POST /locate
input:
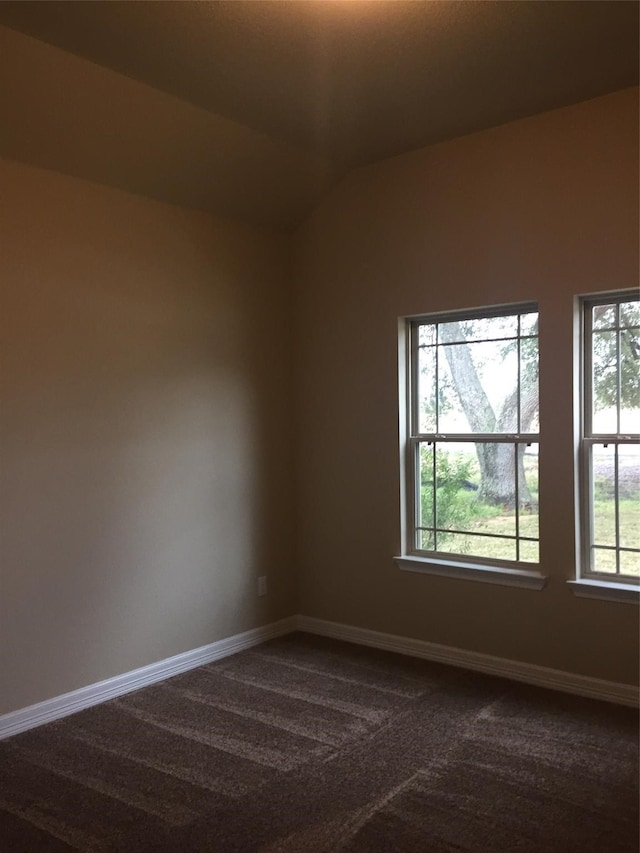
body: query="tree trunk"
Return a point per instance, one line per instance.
(473, 399)
(497, 461)
(497, 472)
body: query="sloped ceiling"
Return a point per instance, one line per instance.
(253, 109)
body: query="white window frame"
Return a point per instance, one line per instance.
(452, 565)
(590, 583)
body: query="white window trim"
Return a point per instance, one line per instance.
(589, 584)
(605, 590)
(472, 572)
(502, 573)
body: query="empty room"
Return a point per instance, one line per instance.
(319, 426)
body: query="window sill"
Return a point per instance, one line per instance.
(472, 572)
(605, 590)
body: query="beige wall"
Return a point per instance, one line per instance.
(541, 209)
(146, 461)
(147, 427)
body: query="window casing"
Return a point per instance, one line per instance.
(609, 441)
(472, 437)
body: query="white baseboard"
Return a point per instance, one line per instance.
(554, 679)
(94, 694)
(85, 697)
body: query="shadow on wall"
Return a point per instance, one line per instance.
(146, 434)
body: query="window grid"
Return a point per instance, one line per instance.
(438, 439)
(616, 439)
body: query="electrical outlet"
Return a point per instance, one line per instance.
(262, 585)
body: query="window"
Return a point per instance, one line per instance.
(471, 439)
(610, 447)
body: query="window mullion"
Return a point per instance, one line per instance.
(480, 437)
(616, 493)
(516, 450)
(435, 499)
(437, 378)
(587, 509)
(519, 378)
(414, 395)
(618, 372)
(587, 388)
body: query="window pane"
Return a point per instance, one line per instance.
(529, 323)
(427, 334)
(457, 486)
(529, 495)
(426, 540)
(451, 414)
(479, 387)
(604, 495)
(477, 546)
(630, 313)
(463, 508)
(629, 495)
(465, 504)
(630, 381)
(529, 385)
(427, 389)
(605, 382)
(498, 462)
(630, 563)
(480, 329)
(425, 498)
(604, 561)
(529, 552)
(613, 389)
(477, 375)
(604, 316)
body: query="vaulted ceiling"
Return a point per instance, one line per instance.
(289, 94)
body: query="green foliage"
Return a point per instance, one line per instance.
(529, 348)
(460, 508)
(605, 376)
(616, 341)
(456, 506)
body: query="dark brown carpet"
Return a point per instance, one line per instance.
(306, 744)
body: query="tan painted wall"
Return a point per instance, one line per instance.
(147, 428)
(146, 461)
(541, 209)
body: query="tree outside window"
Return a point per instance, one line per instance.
(610, 476)
(474, 435)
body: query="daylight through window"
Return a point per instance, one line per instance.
(610, 448)
(472, 465)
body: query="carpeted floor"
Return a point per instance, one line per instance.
(307, 744)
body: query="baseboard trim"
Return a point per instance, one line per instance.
(554, 679)
(94, 694)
